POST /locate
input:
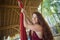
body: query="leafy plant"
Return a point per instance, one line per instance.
(58, 27)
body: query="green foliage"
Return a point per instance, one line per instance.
(49, 8)
(58, 27)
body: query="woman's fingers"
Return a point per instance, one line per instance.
(23, 11)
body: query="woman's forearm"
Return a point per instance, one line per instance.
(26, 19)
(25, 23)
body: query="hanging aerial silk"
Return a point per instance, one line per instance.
(23, 35)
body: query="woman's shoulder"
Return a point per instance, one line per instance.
(38, 25)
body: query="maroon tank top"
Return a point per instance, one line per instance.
(34, 36)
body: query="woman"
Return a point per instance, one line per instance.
(39, 30)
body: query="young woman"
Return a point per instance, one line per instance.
(39, 30)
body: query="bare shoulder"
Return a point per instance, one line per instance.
(35, 27)
(38, 27)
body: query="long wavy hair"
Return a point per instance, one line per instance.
(47, 35)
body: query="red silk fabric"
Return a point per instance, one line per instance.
(23, 34)
(34, 36)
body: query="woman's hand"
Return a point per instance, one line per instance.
(23, 11)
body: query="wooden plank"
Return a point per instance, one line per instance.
(8, 27)
(10, 6)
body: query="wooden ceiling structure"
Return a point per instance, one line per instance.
(9, 15)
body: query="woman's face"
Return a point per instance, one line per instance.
(34, 19)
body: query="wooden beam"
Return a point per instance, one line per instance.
(25, 3)
(10, 6)
(8, 27)
(16, 29)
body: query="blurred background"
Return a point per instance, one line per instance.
(9, 16)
